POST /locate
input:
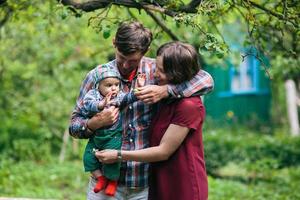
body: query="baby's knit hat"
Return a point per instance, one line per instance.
(106, 71)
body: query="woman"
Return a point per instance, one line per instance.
(178, 168)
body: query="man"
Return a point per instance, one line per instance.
(131, 42)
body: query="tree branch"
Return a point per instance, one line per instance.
(259, 58)
(162, 25)
(86, 6)
(191, 7)
(2, 2)
(217, 29)
(277, 15)
(8, 11)
(92, 5)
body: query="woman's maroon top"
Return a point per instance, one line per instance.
(183, 175)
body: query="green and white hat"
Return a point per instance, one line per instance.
(106, 72)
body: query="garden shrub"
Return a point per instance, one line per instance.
(271, 151)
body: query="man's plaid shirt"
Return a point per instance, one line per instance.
(136, 117)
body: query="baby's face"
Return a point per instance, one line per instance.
(108, 85)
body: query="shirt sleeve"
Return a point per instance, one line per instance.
(91, 101)
(126, 98)
(78, 127)
(189, 113)
(202, 83)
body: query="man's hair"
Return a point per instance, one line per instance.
(180, 61)
(132, 37)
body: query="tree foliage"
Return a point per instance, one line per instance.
(271, 26)
(44, 56)
(47, 47)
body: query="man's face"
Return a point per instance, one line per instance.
(126, 64)
(159, 72)
(108, 85)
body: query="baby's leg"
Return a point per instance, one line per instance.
(101, 180)
(111, 187)
(96, 173)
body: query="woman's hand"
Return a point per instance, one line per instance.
(107, 156)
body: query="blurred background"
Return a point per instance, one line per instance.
(251, 48)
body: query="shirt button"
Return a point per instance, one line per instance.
(130, 107)
(83, 128)
(179, 96)
(130, 125)
(130, 140)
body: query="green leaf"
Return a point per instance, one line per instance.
(106, 33)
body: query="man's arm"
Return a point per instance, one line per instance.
(78, 122)
(201, 84)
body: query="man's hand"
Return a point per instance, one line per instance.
(107, 156)
(107, 117)
(150, 94)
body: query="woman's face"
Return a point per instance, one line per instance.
(159, 72)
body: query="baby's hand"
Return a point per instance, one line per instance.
(106, 101)
(141, 80)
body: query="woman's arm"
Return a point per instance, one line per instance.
(171, 140)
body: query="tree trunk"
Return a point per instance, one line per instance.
(291, 99)
(64, 146)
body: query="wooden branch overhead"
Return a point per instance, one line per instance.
(191, 7)
(92, 5)
(7, 10)
(162, 25)
(2, 2)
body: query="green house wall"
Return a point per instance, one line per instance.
(243, 108)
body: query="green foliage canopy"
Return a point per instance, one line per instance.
(44, 58)
(46, 49)
(272, 27)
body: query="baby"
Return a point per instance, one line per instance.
(106, 93)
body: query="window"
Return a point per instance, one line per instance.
(244, 77)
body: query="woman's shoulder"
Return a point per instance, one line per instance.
(189, 105)
(190, 102)
(188, 112)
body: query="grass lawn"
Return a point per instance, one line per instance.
(67, 180)
(51, 180)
